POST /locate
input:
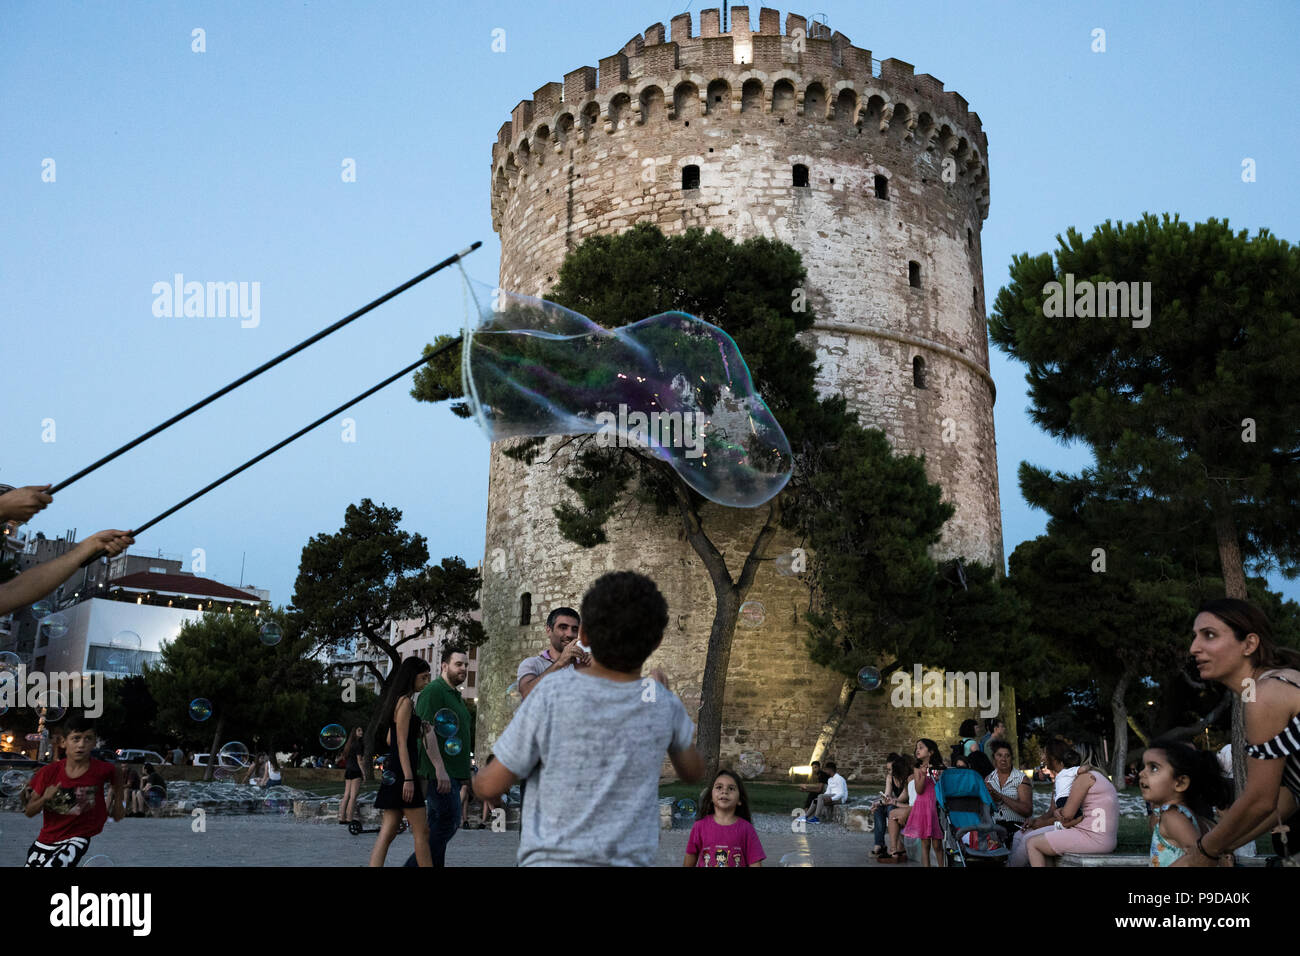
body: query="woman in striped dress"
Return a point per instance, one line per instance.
(1234, 646)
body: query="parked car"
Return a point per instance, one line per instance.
(127, 755)
(227, 761)
(18, 761)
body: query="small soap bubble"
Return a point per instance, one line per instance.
(98, 860)
(869, 678)
(333, 736)
(784, 564)
(9, 663)
(270, 633)
(389, 778)
(797, 858)
(117, 663)
(446, 723)
(56, 625)
(128, 640)
(752, 615)
(154, 796)
(200, 708)
(223, 774)
(451, 746)
(750, 764)
(13, 781)
(42, 609)
(672, 386)
(51, 704)
(513, 697)
(685, 807)
(236, 751)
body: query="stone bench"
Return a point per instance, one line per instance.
(1131, 859)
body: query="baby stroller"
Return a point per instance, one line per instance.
(966, 816)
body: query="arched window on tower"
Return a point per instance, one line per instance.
(800, 174)
(882, 187)
(690, 177)
(918, 372)
(526, 608)
(914, 274)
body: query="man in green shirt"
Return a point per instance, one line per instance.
(445, 750)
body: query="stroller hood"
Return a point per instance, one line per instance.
(961, 782)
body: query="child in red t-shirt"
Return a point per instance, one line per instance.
(724, 835)
(71, 793)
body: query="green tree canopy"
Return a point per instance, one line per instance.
(755, 291)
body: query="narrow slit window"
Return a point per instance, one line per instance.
(800, 174)
(526, 608)
(918, 372)
(882, 187)
(914, 274)
(690, 177)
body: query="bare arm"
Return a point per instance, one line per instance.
(569, 655)
(22, 504)
(1265, 717)
(1078, 790)
(690, 860)
(39, 581)
(1023, 802)
(493, 780)
(35, 803)
(1178, 831)
(688, 763)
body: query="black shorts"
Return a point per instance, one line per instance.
(67, 852)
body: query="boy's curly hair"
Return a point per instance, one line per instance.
(624, 616)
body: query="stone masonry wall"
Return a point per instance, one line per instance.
(607, 148)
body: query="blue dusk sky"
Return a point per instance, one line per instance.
(226, 165)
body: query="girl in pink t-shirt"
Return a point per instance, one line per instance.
(724, 835)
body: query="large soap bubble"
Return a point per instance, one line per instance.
(672, 385)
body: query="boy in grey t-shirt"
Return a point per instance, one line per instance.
(590, 743)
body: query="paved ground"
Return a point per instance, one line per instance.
(265, 840)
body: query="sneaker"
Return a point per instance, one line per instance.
(811, 820)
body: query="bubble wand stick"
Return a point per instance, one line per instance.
(445, 347)
(268, 365)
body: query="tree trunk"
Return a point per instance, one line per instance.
(212, 750)
(714, 685)
(1119, 716)
(1234, 586)
(848, 690)
(1133, 724)
(728, 594)
(1008, 716)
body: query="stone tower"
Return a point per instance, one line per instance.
(879, 178)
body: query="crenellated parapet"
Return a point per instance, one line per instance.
(806, 71)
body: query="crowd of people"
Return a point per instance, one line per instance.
(589, 738)
(1193, 817)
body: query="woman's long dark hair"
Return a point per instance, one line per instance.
(354, 743)
(742, 806)
(402, 685)
(900, 768)
(1244, 619)
(936, 758)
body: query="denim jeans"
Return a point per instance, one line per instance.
(880, 816)
(443, 812)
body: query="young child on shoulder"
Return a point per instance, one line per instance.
(724, 834)
(1183, 785)
(70, 792)
(591, 742)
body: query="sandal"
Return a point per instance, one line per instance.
(893, 858)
